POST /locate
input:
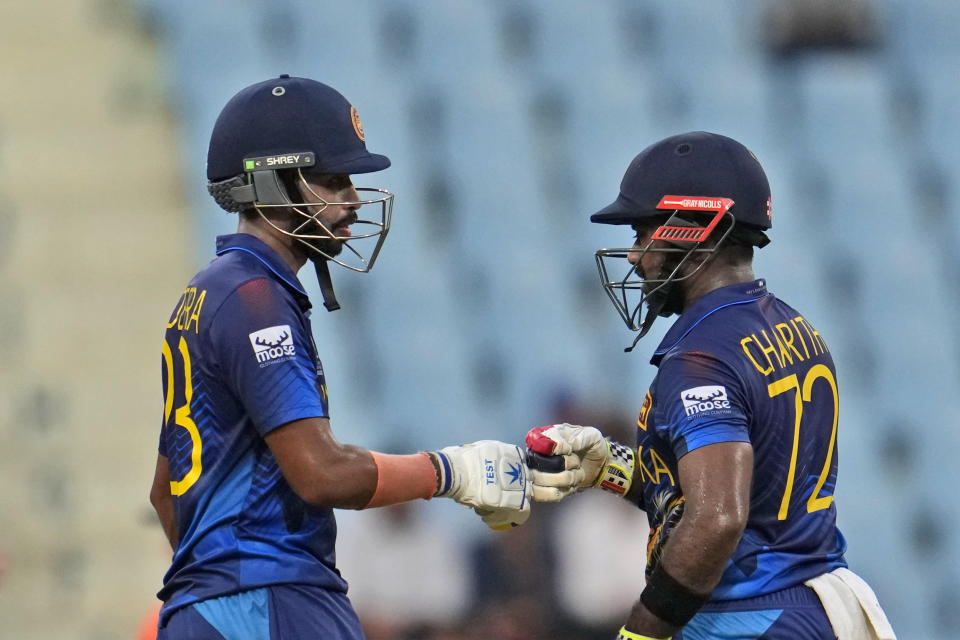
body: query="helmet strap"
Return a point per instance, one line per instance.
(666, 301)
(652, 312)
(326, 285)
(269, 189)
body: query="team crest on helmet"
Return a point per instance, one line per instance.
(357, 125)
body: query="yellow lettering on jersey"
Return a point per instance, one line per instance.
(746, 349)
(645, 411)
(806, 327)
(195, 316)
(182, 419)
(659, 465)
(816, 502)
(176, 314)
(189, 295)
(645, 474)
(785, 356)
(188, 312)
(819, 346)
(770, 348)
(806, 351)
(768, 354)
(786, 336)
(168, 368)
(823, 345)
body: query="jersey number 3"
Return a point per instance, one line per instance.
(816, 502)
(181, 416)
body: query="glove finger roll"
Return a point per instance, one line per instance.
(571, 478)
(550, 494)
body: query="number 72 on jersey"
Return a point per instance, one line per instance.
(803, 394)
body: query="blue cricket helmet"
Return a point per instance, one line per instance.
(290, 115)
(695, 164)
(273, 133)
(695, 186)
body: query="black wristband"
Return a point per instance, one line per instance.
(669, 600)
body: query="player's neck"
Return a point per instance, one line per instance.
(714, 277)
(283, 245)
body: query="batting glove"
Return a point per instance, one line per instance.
(589, 460)
(489, 476)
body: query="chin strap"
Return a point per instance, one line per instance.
(326, 285)
(666, 302)
(652, 313)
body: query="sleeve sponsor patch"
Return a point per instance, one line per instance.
(273, 344)
(707, 398)
(645, 411)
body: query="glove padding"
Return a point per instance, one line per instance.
(590, 460)
(489, 476)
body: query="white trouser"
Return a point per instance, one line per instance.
(851, 606)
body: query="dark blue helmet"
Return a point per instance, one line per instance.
(700, 189)
(287, 116)
(695, 164)
(267, 137)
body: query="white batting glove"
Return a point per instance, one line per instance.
(590, 460)
(489, 476)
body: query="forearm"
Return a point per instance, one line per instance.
(356, 478)
(698, 549)
(694, 559)
(322, 471)
(486, 475)
(345, 479)
(401, 478)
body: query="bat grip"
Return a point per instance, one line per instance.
(545, 463)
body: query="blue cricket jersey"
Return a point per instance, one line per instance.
(239, 361)
(742, 366)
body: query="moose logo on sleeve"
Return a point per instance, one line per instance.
(273, 344)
